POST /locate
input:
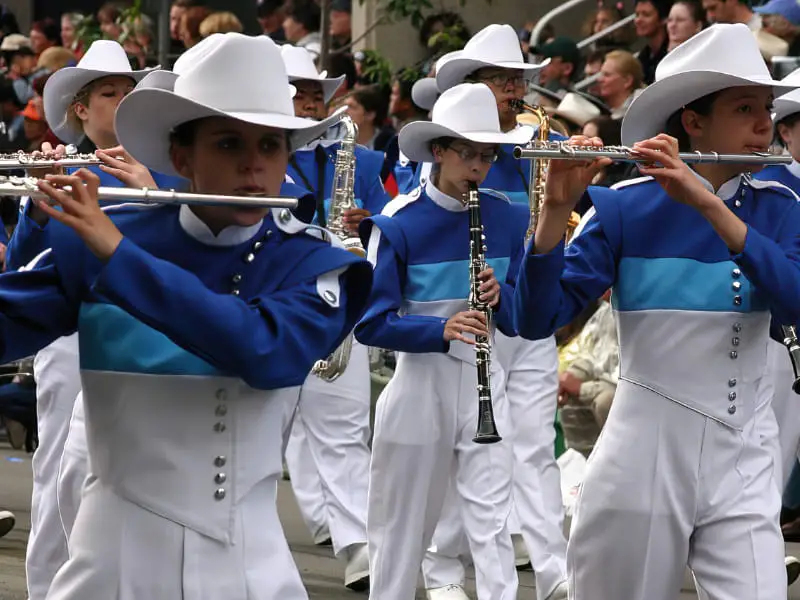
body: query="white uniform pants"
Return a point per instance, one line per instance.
(666, 487)
(74, 468)
(786, 405)
(531, 370)
(424, 425)
(328, 454)
(57, 373)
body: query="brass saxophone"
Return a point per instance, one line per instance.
(487, 429)
(539, 171)
(342, 200)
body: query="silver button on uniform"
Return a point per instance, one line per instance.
(736, 273)
(220, 461)
(221, 410)
(731, 396)
(736, 285)
(220, 478)
(219, 494)
(732, 382)
(737, 327)
(219, 427)
(735, 341)
(731, 410)
(737, 300)
(734, 355)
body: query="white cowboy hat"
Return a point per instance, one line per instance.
(424, 93)
(576, 108)
(788, 104)
(720, 57)
(103, 59)
(216, 83)
(467, 111)
(492, 46)
(300, 67)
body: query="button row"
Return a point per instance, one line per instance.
(220, 411)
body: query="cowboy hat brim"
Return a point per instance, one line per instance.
(648, 114)
(163, 80)
(424, 93)
(60, 91)
(456, 69)
(415, 138)
(329, 85)
(146, 117)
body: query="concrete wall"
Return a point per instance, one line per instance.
(399, 41)
(23, 10)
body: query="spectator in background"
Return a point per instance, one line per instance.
(220, 22)
(271, 16)
(176, 10)
(137, 40)
(44, 34)
(34, 127)
(38, 103)
(302, 24)
(592, 67)
(191, 19)
(610, 131)
(109, 16)
(53, 59)
(685, 20)
(11, 132)
(651, 26)
(548, 33)
(20, 64)
(369, 109)
(69, 26)
(341, 63)
(565, 59)
(781, 18)
(8, 23)
(340, 23)
(602, 18)
(620, 81)
(739, 11)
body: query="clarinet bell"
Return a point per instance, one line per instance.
(487, 430)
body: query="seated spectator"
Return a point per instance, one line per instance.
(369, 107)
(34, 126)
(20, 64)
(565, 60)
(11, 119)
(220, 22)
(271, 16)
(44, 34)
(69, 39)
(302, 24)
(781, 18)
(55, 58)
(685, 20)
(589, 373)
(109, 15)
(191, 19)
(651, 26)
(340, 23)
(620, 81)
(603, 18)
(740, 11)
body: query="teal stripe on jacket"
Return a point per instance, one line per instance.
(446, 280)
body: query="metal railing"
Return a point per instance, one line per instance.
(566, 6)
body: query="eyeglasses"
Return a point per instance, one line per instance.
(501, 80)
(467, 154)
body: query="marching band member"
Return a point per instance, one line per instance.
(197, 326)
(493, 57)
(328, 454)
(427, 413)
(681, 470)
(79, 108)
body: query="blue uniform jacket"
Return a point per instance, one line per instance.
(662, 255)
(164, 302)
(420, 250)
(368, 187)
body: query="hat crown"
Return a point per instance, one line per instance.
(222, 77)
(494, 43)
(105, 55)
(467, 107)
(299, 63)
(722, 48)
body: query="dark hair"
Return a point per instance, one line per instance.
(789, 121)
(112, 10)
(674, 127)
(266, 8)
(343, 64)
(188, 3)
(609, 130)
(39, 83)
(8, 22)
(49, 28)
(696, 10)
(662, 6)
(7, 93)
(374, 99)
(305, 12)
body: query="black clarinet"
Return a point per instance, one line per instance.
(793, 346)
(487, 429)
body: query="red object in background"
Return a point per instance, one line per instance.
(390, 185)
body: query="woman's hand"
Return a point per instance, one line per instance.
(567, 179)
(489, 287)
(469, 321)
(568, 385)
(81, 211)
(354, 216)
(671, 173)
(120, 164)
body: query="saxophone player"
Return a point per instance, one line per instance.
(426, 415)
(530, 366)
(328, 453)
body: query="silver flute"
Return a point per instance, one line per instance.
(28, 186)
(565, 151)
(71, 158)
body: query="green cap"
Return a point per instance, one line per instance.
(561, 47)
